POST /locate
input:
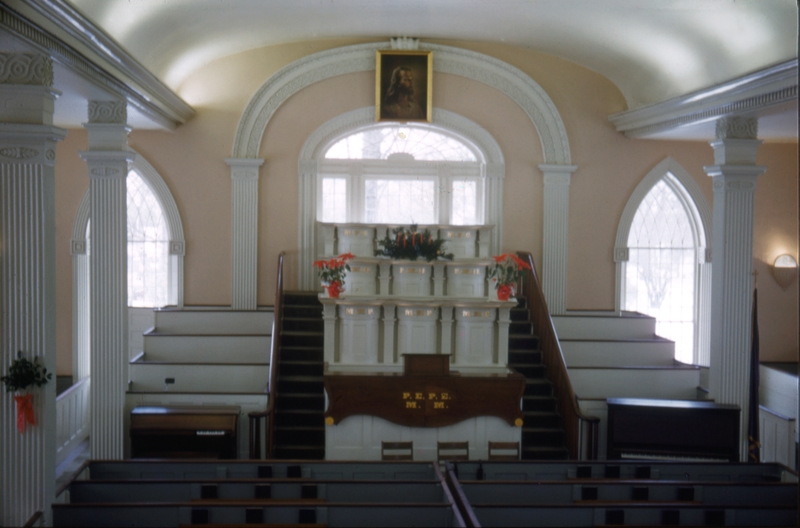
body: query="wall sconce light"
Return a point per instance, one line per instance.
(784, 269)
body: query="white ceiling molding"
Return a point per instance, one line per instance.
(88, 51)
(446, 59)
(747, 95)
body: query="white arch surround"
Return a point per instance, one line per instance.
(511, 81)
(177, 245)
(490, 154)
(699, 213)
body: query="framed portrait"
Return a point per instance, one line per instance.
(403, 85)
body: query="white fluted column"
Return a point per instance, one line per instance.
(108, 160)
(556, 235)
(27, 271)
(244, 236)
(734, 173)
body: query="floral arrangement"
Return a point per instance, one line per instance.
(507, 271)
(409, 244)
(22, 374)
(332, 272)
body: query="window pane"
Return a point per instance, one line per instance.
(465, 203)
(660, 274)
(334, 200)
(148, 246)
(422, 143)
(400, 201)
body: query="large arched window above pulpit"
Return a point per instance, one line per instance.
(354, 170)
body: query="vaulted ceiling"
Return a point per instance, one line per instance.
(653, 50)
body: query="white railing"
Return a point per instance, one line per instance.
(777, 434)
(72, 419)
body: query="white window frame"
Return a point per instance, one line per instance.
(490, 169)
(699, 213)
(80, 262)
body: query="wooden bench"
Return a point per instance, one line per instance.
(184, 431)
(261, 469)
(655, 470)
(337, 491)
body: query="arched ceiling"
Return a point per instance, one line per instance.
(652, 50)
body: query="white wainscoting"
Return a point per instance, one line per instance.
(777, 435)
(72, 419)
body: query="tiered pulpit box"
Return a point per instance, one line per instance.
(443, 312)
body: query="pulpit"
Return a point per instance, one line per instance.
(417, 350)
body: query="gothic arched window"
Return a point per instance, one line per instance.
(664, 272)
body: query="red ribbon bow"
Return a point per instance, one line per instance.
(24, 411)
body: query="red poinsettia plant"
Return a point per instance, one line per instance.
(332, 272)
(507, 271)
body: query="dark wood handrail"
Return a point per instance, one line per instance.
(34, 519)
(272, 383)
(556, 367)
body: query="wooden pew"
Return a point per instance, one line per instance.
(656, 470)
(276, 513)
(220, 469)
(338, 491)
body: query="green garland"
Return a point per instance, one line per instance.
(408, 244)
(23, 372)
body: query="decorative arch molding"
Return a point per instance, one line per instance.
(488, 150)
(177, 245)
(509, 80)
(699, 212)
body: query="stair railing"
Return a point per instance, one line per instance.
(272, 383)
(576, 424)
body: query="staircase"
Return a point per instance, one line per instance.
(542, 434)
(300, 403)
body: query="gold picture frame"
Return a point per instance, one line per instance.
(403, 85)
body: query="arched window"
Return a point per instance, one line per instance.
(401, 174)
(662, 270)
(353, 169)
(148, 246)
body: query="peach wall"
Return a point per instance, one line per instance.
(191, 161)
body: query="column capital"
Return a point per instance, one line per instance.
(21, 143)
(104, 164)
(107, 136)
(736, 127)
(108, 112)
(734, 177)
(244, 168)
(557, 174)
(26, 68)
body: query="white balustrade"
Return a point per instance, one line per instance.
(370, 334)
(72, 419)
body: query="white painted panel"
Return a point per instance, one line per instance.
(778, 391)
(72, 419)
(777, 436)
(213, 320)
(139, 321)
(604, 325)
(207, 348)
(584, 353)
(198, 378)
(662, 383)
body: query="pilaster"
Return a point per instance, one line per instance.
(244, 236)
(556, 235)
(27, 274)
(108, 160)
(734, 175)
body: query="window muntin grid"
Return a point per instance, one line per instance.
(422, 143)
(661, 270)
(148, 246)
(398, 159)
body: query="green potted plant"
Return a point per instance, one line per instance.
(409, 244)
(22, 374)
